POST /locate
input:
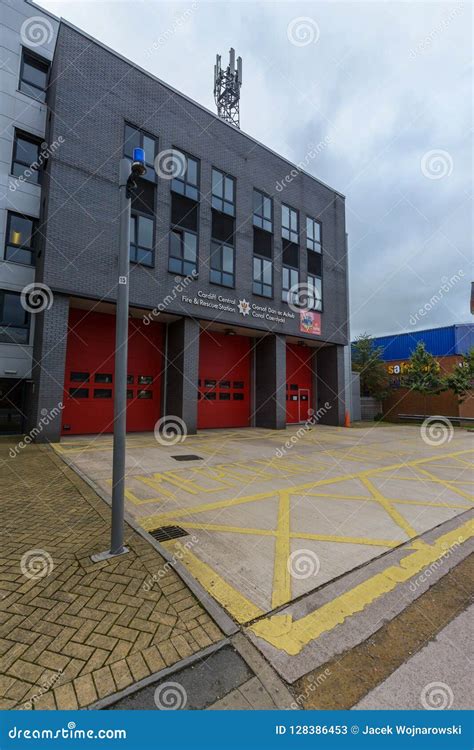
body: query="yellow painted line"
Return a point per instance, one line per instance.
(391, 499)
(387, 506)
(448, 486)
(281, 575)
(228, 529)
(427, 481)
(293, 535)
(149, 521)
(348, 539)
(292, 637)
(241, 608)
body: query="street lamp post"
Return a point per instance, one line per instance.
(127, 174)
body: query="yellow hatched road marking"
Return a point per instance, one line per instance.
(387, 506)
(448, 485)
(291, 637)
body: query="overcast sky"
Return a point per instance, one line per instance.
(385, 87)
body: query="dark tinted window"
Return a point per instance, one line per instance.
(26, 154)
(14, 320)
(34, 75)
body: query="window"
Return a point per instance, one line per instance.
(186, 181)
(314, 293)
(313, 234)
(142, 231)
(289, 224)
(223, 192)
(79, 377)
(33, 75)
(79, 392)
(289, 280)
(103, 377)
(262, 276)
(14, 320)
(135, 138)
(183, 252)
(26, 154)
(262, 211)
(21, 243)
(222, 264)
(102, 393)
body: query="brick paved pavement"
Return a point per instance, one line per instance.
(81, 631)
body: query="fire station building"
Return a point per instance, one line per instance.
(238, 277)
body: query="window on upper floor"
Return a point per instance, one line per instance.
(262, 211)
(289, 224)
(183, 252)
(289, 287)
(186, 171)
(142, 239)
(223, 192)
(314, 298)
(136, 138)
(262, 276)
(21, 239)
(313, 234)
(34, 72)
(222, 264)
(14, 320)
(26, 157)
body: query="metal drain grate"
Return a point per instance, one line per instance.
(163, 533)
(187, 457)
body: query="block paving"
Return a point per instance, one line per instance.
(77, 632)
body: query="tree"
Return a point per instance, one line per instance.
(461, 379)
(367, 361)
(423, 374)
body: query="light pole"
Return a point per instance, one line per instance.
(127, 174)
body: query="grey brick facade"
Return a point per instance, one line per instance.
(93, 93)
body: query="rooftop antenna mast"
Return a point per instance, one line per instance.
(227, 85)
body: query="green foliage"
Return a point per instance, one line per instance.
(461, 379)
(423, 373)
(367, 361)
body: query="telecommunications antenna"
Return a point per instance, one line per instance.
(227, 85)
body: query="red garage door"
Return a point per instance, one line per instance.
(224, 381)
(89, 379)
(298, 383)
